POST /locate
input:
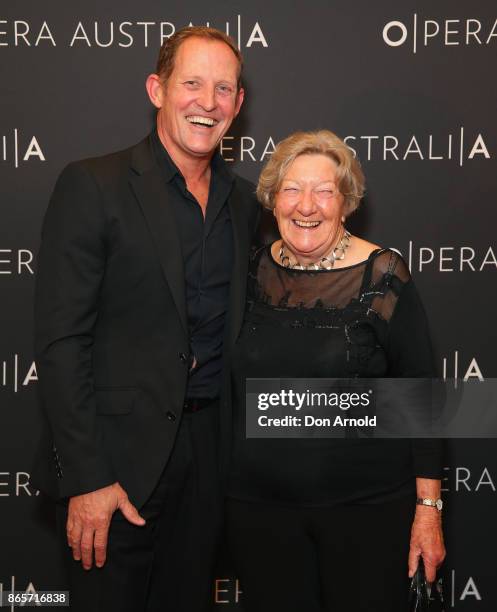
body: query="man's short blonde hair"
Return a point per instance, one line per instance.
(349, 176)
(170, 47)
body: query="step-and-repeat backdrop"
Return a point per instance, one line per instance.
(411, 88)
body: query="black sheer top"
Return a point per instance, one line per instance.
(364, 320)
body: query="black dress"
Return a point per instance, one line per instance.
(323, 525)
(364, 320)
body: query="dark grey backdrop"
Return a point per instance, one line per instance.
(416, 99)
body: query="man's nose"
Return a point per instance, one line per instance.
(207, 98)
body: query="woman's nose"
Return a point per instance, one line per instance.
(306, 205)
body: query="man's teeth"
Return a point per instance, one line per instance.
(306, 223)
(201, 120)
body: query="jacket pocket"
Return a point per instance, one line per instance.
(115, 400)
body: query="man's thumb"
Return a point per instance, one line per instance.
(131, 513)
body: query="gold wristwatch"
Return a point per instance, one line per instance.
(427, 501)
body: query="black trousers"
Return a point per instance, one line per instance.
(166, 565)
(348, 558)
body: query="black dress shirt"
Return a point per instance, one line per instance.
(207, 251)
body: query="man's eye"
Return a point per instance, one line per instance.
(225, 89)
(191, 83)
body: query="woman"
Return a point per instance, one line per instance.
(329, 524)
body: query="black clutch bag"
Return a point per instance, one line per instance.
(425, 596)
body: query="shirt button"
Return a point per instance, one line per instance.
(183, 357)
(170, 415)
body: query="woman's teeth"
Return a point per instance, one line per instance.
(306, 223)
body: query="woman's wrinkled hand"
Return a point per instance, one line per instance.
(426, 541)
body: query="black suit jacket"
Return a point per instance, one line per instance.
(111, 338)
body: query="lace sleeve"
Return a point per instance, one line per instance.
(388, 276)
(410, 355)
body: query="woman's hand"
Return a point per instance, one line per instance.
(426, 541)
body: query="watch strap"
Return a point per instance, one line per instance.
(427, 501)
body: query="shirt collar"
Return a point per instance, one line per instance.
(219, 168)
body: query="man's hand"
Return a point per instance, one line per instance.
(88, 521)
(427, 542)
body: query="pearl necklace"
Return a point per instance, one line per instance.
(325, 263)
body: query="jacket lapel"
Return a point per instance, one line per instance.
(148, 186)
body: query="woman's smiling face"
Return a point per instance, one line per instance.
(309, 208)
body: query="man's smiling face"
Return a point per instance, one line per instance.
(200, 99)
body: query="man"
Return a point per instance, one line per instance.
(141, 276)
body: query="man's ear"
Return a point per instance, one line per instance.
(155, 90)
(239, 100)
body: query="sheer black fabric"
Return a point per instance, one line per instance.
(364, 320)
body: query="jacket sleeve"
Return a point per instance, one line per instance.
(71, 266)
(410, 355)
